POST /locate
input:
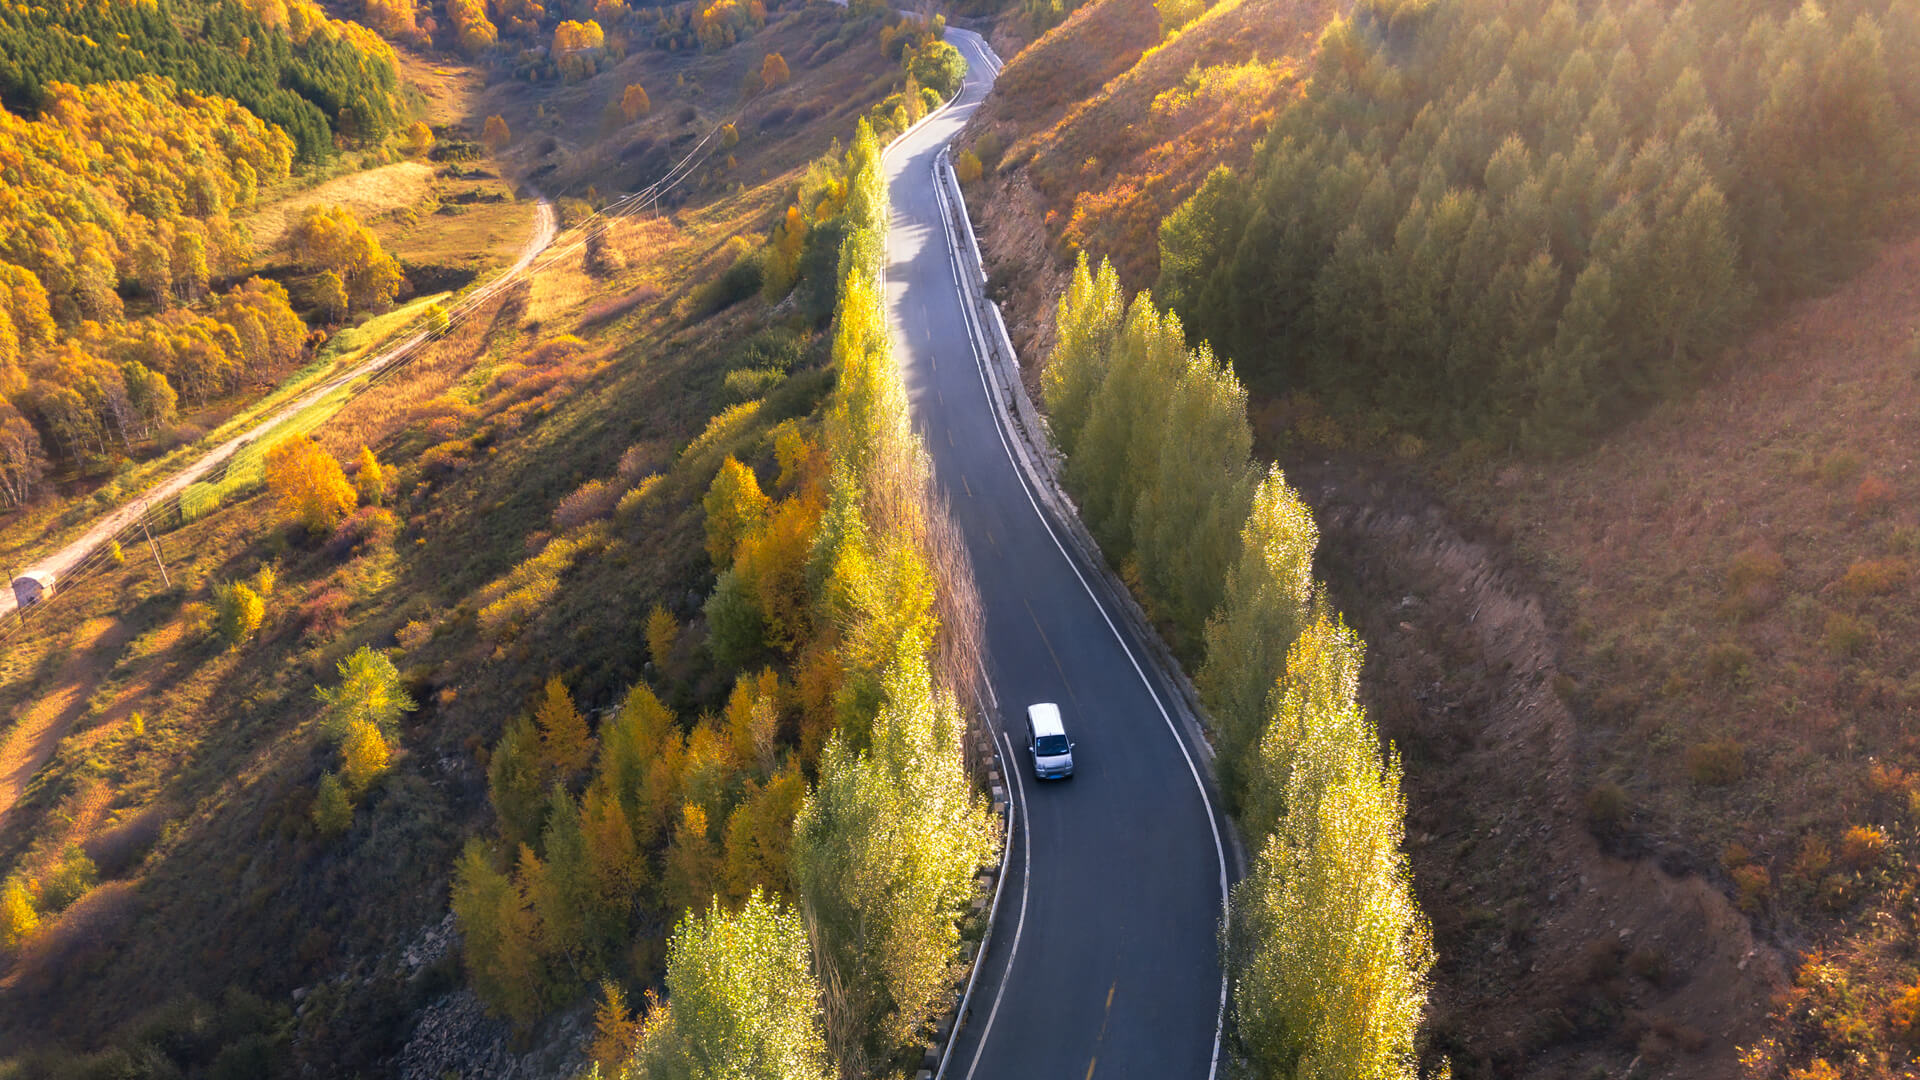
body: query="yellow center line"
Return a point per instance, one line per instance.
(1091, 1062)
(964, 484)
(1108, 1015)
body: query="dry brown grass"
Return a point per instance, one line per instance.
(91, 649)
(561, 287)
(1737, 594)
(1115, 130)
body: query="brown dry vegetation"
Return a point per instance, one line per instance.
(1107, 129)
(1732, 579)
(1561, 951)
(1653, 699)
(198, 817)
(1670, 681)
(568, 139)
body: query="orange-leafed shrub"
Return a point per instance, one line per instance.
(1887, 780)
(1874, 577)
(1903, 1016)
(1873, 495)
(414, 634)
(774, 72)
(1810, 863)
(308, 485)
(1752, 885)
(1862, 846)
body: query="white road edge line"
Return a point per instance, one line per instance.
(999, 882)
(1006, 760)
(974, 334)
(1026, 879)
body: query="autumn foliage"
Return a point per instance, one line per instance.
(1329, 951)
(128, 188)
(287, 62)
(330, 238)
(646, 817)
(634, 103)
(773, 71)
(308, 486)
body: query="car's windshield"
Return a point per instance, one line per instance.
(1050, 745)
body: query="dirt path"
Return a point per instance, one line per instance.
(32, 739)
(1558, 955)
(60, 562)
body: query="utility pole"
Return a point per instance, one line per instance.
(157, 561)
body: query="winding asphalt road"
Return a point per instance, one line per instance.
(61, 562)
(1104, 961)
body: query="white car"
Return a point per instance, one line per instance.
(1048, 743)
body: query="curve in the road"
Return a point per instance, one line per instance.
(1111, 967)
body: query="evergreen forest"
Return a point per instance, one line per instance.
(314, 77)
(1518, 222)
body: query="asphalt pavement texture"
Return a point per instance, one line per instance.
(1105, 959)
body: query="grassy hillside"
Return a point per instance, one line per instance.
(1105, 125)
(570, 137)
(547, 463)
(1733, 585)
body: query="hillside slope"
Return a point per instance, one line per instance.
(545, 466)
(1107, 128)
(1733, 590)
(1660, 804)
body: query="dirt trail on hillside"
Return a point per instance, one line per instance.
(31, 740)
(1557, 958)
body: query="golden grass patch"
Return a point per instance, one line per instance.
(367, 194)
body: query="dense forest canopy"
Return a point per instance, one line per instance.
(1513, 221)
(286, 62)
(116, 188)
(132, 135)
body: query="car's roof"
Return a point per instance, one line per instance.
(1045, 718)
